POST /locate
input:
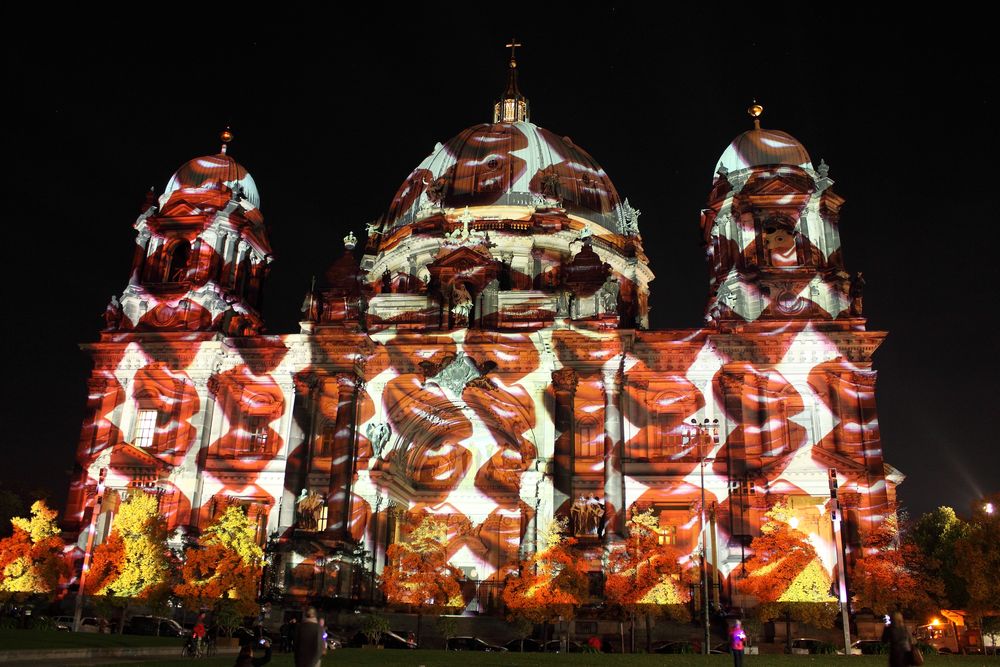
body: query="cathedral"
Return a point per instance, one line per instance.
(484, 355)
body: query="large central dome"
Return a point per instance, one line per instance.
(508, 163)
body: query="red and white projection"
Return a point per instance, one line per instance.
(488, 361)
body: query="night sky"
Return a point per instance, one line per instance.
(330, 115)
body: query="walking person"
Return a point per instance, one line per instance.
(899, 640)
(309, 645)
(254, 654)
(737, 638)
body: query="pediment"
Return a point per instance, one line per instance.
(126, 456)
(466, 264)
(778, 185)
(462, 259)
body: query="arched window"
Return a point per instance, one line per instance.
(669, 437)
(180, 255)
(324, 445)
(589, 438)
(780, 242)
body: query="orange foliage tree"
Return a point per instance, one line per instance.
(419, 575)
(644, 576)
(786, 575)
(549, 584)
(31, 559)
(223, 569)
(887, 577)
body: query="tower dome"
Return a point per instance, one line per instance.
(515, 163)
(204, 173)
(759, 148)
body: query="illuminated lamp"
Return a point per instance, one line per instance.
(755, 110)
(988, 508)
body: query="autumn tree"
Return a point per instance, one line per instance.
(644, 576)
(549, 584)
(133, 563)
(978, 551)
(223, 568)
(786, 575)
(935, 535)
(419, 575)
(31, 559)
(888, 576)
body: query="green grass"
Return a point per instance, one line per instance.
(13, 640)
(427, 658)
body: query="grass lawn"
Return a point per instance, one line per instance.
(428, 658)
(13, 640)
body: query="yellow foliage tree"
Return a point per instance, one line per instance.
(224, 568)
(133, 561)
(785, 574)
(32, 560)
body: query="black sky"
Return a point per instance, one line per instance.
(331, 114)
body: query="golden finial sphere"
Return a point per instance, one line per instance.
(226, 136)
(755, 110)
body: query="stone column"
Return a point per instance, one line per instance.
(342, 471)
(614, 480)
(139, 257)
(564, 383)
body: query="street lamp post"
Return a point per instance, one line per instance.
(91, 529)
(707, 432)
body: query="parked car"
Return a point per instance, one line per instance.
(473, 644)
(806, 646)
(530, 646)
(154, 625)
(389, 639)
(869, 647)
(686, 647)
(63, 623)
(555, 646)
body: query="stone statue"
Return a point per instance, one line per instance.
(629, 219)
(113, 314)
(609, 296)
(857, 294)
(386, 281)
(309, 508)
(596, 508)
(363, 312)
(378, 435)
(424, 276)
(461, 302)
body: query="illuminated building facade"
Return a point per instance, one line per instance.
(489, 359)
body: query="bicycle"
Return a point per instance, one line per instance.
(193, 648)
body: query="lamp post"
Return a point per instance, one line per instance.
(91, 529)
(707, 432)
(836, 517)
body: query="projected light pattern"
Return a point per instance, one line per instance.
(487, 362)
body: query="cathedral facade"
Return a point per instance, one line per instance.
(485, 356)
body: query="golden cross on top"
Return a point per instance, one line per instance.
(513, 47)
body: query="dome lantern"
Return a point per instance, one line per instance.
(513, 106)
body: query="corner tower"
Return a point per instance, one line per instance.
(201, 255)
(771, 229)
